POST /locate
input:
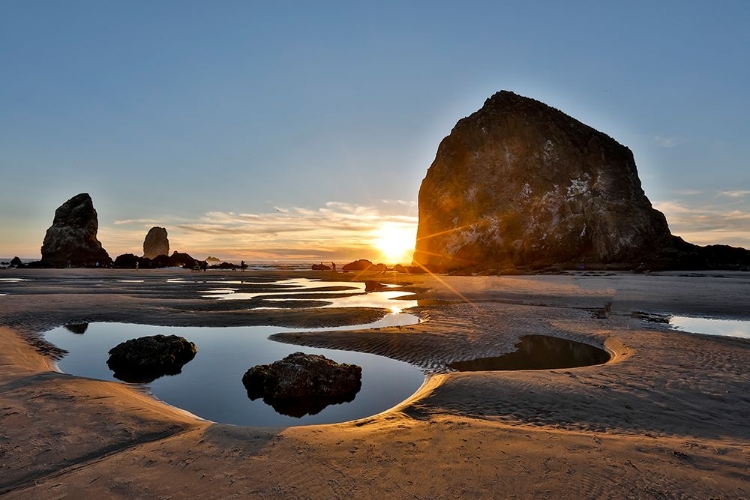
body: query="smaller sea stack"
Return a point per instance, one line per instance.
(71, 240)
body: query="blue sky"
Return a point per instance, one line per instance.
(295, 130)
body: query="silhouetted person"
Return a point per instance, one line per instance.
(333, 266)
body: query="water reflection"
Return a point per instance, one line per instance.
(210, 385)
(309, 293)
(708, 326)
(538, 352)
(300, 407)
(78, 328)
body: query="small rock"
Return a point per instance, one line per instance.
(147, 358)
(303, 383)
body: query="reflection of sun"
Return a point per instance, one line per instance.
(395, 242)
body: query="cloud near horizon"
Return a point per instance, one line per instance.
(708, 224)
(337, 231)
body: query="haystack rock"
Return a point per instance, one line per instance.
(521, 185)
(72, 237)
(156, 243)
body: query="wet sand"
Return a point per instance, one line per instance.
(668, 417)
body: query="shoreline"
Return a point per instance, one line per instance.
(666, 417)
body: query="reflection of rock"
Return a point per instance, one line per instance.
(299, 407)
(156, 243)
(147, 358)
(79, 328)
(72, 236)
(373, 286)
(303, 383)
(364, 265)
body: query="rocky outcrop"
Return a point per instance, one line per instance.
(364, 265)
(303, 384)
(72, 237)
(519, 183)
(177, 259)
(156, 243)
(147, 358)
(520, 186)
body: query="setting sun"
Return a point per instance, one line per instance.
(395, 242)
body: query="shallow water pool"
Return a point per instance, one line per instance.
(538, 352)
(210, 386)
(709, 326)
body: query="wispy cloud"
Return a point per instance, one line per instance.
(335, 231)
(136, 221)
(689, 192)
(667, 142)
(707, 224)
(735, 194)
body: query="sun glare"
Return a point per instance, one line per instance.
(395, 243)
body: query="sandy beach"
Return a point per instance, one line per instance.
(667, 417)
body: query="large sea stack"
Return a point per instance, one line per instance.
(72, 237)
(156, 243)
(519, 185)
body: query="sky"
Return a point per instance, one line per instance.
(301, 131)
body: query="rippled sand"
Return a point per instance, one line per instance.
(667, 418)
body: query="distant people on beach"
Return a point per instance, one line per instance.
(333, 266)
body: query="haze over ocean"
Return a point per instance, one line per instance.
(302, 132)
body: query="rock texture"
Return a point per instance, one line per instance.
(147, 358)
(72, 236)
(303, 384)
(519, 183)
(156, 243)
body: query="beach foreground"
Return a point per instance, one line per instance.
(666, 418)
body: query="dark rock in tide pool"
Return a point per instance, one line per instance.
(145, 359)
(303, 384)
(72, 237)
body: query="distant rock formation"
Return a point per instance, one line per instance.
(72, 237)
(177, 259)
(156, 243)
(364, 265)
(519, 185)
